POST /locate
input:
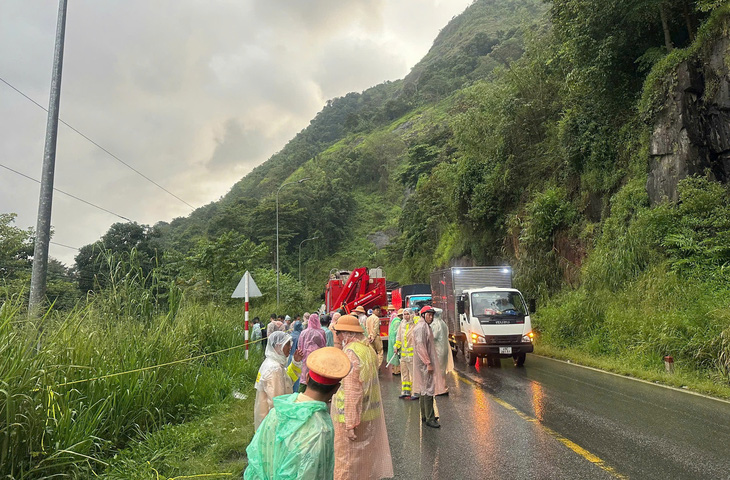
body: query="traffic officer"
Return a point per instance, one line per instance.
(362, 450)
(296, 439)
(403, 346)
(428, 376)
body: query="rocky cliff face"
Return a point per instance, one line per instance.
(692, 132)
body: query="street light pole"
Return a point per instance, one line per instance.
(277, 235)
(300, 255)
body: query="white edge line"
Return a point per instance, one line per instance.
(629, 377)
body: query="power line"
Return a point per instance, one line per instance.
(99, 146)
(62, 245)
(68, 194)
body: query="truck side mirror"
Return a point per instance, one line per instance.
(532, 305)
(460, 305)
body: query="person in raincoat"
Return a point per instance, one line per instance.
(310, 340)
(274, 378)
(272, 326)
(404, 347)
(428, 379)
(361, 315)
(443, 349)
(325, 321)
(256, 333)
(296, 439)
(372, 324)
(362, 450)
(295, 334)
(392, 334)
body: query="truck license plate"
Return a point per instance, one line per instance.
(506, 350)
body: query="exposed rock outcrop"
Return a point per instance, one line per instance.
(692, 132)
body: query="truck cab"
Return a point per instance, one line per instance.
(494, 323)
(417, 302)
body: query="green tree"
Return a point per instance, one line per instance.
(218, 265)
(120, 238)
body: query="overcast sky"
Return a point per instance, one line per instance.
(193, 93)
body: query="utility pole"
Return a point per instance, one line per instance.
(45, 201)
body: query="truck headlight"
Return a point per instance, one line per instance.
(528, 338)
(476, 338)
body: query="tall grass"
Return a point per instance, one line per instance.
(53, 427)
(660, 313)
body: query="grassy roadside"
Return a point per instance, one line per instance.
(210, 447)
(683, 377)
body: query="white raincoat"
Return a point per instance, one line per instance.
(274, 377)
(443, 349)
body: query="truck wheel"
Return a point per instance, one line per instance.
(469, 357)
(519, 359)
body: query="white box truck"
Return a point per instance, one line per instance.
(485, 315)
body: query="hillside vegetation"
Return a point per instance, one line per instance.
(525, 136)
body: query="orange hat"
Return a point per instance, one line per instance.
(391, 307)
(348, 323)
(360, 309)
(400, 311)
(328, 365)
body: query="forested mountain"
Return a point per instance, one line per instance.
(338, 152)
(586, 143)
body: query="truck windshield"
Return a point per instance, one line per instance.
(416, 302)
(497, 304)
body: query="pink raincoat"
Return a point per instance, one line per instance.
(357, 406)
(425, 354)
(310, 340)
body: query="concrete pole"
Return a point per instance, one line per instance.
(45, 201)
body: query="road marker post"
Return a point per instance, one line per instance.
(246, 288)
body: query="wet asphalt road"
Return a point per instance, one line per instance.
(552, 420)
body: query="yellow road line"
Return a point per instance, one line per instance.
(568, 443)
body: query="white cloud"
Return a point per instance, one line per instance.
(193, 93)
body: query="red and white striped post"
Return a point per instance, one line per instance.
(245, 315)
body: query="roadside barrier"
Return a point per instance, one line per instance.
(142, 369)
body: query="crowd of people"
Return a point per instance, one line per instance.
(336, 359)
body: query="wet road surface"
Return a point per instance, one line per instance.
(555, 420)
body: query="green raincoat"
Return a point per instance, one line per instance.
(392, 333)
(296, 440)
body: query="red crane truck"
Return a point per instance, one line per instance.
(361, 287)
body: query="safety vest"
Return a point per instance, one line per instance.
(406, 351)
(370, 386)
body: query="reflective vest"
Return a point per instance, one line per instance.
(407, 351)
(370, 386)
